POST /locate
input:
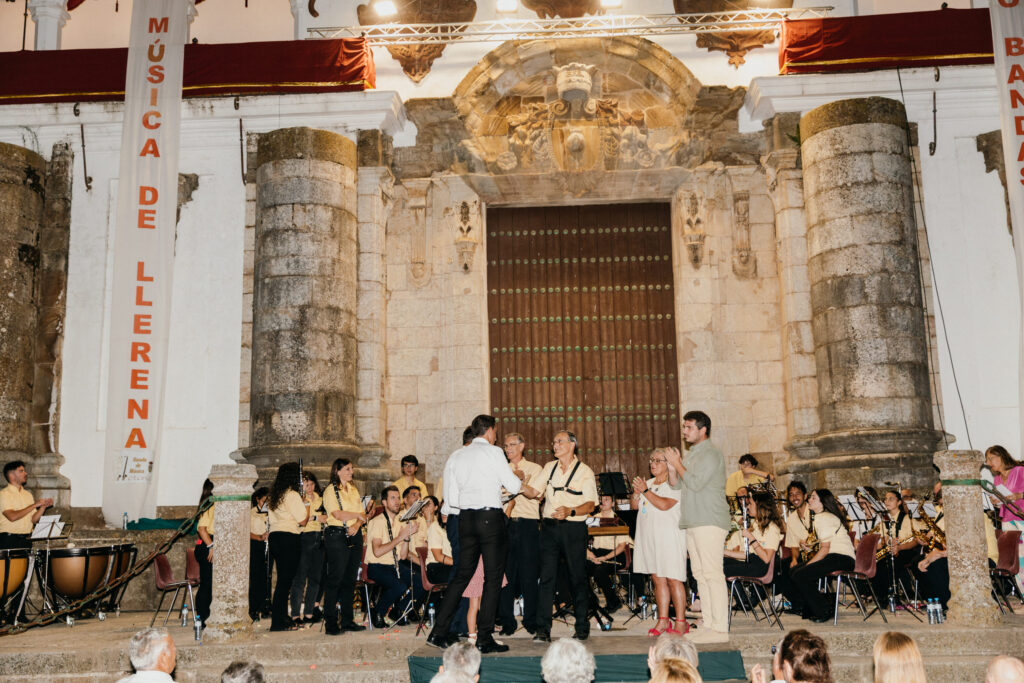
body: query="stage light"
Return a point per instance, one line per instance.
(611, 4)
(385, 8)
(506, 6)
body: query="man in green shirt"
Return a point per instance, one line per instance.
(704, 513)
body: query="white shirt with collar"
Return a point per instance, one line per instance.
(451, 488)
(147, 677)
(478, 472)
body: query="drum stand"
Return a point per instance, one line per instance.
(49, 597)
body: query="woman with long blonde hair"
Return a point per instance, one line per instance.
(897, 659)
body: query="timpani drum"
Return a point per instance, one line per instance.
(122, 559)
(76, 572)
(13, 570)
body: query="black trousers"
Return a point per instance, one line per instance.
(438, 573)
(394, 586)
(934, 583)
(481, 533)
(804, 589)
(451, 530)
(204, 596)
(344, 553)
(755, 566)
(563, 544)
(308, 575)
(259, 578)
(904, 559)
(522, 568)
(602, 574)
(284, 550)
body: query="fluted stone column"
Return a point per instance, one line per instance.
(971, 601)
(867, 314)
(22, 174)
(229, 612)
(49, 16)
(304, 358)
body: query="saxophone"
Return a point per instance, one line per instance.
(938, 539)
(812, 542)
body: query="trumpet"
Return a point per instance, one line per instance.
(812, 542)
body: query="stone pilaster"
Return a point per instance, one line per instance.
(375, 183)
(303, 391)
(229, 612)
(971, 602)
(49, 16)
(22, 177)
(786, 191)
(867, 314)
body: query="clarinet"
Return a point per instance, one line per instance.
(746, 526)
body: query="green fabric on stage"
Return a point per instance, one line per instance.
(714, 666)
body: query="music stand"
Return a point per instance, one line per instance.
(406, 516)
(613, 484)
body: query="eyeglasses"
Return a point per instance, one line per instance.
(654, 460)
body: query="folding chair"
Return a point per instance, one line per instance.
(759, 585)
(165, 582)
(864, 569)
(421, 551)
(1006, 569)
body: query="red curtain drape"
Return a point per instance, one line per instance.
(291, 66)
(885, 41)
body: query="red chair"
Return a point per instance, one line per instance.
(421, 551)
(1006, 568)
(363, 581)
(165, 581)
(864, 569)
(759, 585)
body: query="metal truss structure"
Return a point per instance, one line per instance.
(601, 26)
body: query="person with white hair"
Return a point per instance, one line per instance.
(153, 656)
(1005, 669)
(671, 646)
(462, 658)
(567, 661)
(243, 672)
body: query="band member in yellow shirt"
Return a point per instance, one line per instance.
(20, 511)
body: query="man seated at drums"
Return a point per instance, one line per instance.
(153, 656)
(20, 511)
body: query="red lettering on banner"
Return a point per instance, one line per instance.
(156, 74)
(1016, 73)
(145, 218)
(1014, 46)
(135, 439)
(140, 273)
(1008, 3)
(135, 409)
(140, 352)
(1022, 176)
(141, 323)
(158, 25)
(150, 149)
(156, 51)
(147, 195)
(1018, 122)
(1015, 99)
(153, 92)
(1020, 154)
(140, 377)
(139, 301)
(147, 120)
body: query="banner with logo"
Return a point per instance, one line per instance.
(1008, 45)
(147, 196)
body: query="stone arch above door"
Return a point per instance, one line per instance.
(576, 120)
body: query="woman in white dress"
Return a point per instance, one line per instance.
(661, 544)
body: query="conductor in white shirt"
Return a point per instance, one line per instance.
(474, 477)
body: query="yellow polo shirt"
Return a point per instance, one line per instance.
(257, 521)
(288, 515)
(378, 528)
(527, 508)
(206, 519)
(13, 498)
(437, 538)
(313, 526)
(350, 502)
(401, 484)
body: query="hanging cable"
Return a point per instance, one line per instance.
(916, 180)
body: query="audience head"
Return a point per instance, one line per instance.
(1005, 669)
(462, 658)
(152, 649)
(243, 672)
(802, 658)
(674, 670)
(897, 659)
(567, 661)
(671, 646)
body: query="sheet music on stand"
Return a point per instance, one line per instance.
(912, 507)
(413, 510)
(852, 507)
(48, 526)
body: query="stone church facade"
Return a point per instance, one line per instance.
(350, 272)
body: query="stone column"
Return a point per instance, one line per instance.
(49, 16)
(971, 601)
(22, 174)
(303, 392)
(867, 315)
(786, 191)
(229, 613)
(375, 183)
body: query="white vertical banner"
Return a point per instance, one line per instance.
(143, 257)
(1007, 18)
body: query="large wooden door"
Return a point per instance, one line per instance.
(582, 330)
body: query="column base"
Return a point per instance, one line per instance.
(843, 460)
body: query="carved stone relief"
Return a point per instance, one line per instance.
(744, 263)
(693, 227)
(417, 59)
(736, 44)
(566, 9)
(466, 219)
(415, 208)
